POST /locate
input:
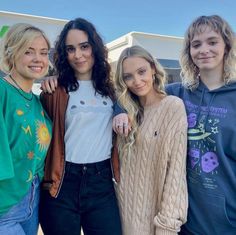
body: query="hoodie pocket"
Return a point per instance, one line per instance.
(211, 206)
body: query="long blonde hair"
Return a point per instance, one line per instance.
(128, 100)
(16, 42)
(189, 71)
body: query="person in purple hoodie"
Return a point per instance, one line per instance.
(208, 90)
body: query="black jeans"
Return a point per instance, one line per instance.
(87, 199)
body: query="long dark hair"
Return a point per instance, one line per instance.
(101, 70)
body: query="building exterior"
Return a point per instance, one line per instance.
(165, 49)
(50, 26)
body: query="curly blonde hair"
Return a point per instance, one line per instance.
(129, 101)
(189, 71)
(16, 42)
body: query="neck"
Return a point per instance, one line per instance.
(150, 99)
(84, 77)
(21, 83)
(212, 79)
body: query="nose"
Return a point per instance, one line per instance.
(78, 53)
(204, 49)
(37, 57)
(136, 80)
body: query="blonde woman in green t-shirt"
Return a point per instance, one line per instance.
(25, 128)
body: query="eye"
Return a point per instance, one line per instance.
(85, 46)
(212, 43)
(28, 52)
(70, 49)
(127, 77)
(142, 71)
(195, 45)
(44, 53)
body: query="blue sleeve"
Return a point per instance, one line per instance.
(117, 109)
(174, 89)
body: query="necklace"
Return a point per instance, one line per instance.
(20, 90)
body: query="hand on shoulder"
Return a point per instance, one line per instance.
(49, 84)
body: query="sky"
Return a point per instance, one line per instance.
(114, 18)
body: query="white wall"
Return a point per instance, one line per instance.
(52, 27)
(160, 46)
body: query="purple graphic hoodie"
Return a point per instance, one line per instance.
(211, 160)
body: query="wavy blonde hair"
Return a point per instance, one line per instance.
(189, 71)
(129, 101)
(16, 42)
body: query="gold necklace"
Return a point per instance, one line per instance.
(20, 90)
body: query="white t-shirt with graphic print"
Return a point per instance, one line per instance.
(88, 125)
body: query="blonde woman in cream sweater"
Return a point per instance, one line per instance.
(152, 191)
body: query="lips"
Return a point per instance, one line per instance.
(205, 58)
(36, 69)
(139, 88)
(80, 63)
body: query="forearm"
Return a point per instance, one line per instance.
(173, 209)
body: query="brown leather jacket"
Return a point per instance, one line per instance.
(56, 104)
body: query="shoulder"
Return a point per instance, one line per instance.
(4, 89)
(175, 109)
(175, 89)
(175, 102)
(3, 84)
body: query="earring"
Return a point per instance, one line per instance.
(196, 72)
(153, 77)
(198, 76)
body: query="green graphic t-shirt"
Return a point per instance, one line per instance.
(25, 134)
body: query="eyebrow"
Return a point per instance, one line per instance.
(80, 44)
(31, 48)
(210, 38)
(143, 67)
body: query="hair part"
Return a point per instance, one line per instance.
(16, 41)
(189, 71)
(101, 71)
(128, 100)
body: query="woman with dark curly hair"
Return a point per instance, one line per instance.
(78, 188)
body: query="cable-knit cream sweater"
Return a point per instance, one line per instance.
(152, 192)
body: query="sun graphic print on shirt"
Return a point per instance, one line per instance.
(19, 112)
(42, 136)
(30, 155)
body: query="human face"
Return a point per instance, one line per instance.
(207, 50)
(33, 64)
(138, 76)
(79, 54)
